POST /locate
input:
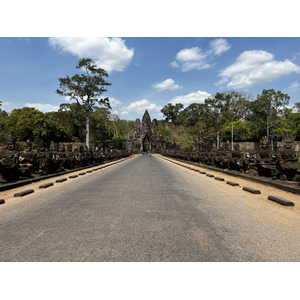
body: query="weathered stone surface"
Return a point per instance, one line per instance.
(232, 183)
(61, 180)
(24, 193)
(146, 138)
(219, 178)
(251, 190)
(281, 201)
(282, 164)
(73, 176)
(46, 185)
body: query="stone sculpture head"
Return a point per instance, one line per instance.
(28, 146)
(264, 143)
(287, 141)
(10, 143)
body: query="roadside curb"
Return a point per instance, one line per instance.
(251, 190)
(281, 201)
(16, 184)
(220, 178)
(24, 193)
(232, 183)
(292, 187)
(61, 180)
(73, 176)
(46, 185)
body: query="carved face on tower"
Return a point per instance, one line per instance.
(287, 141)
(28, 146)
(10, 143)
(137, 126)
(264, 143)
(146, 123)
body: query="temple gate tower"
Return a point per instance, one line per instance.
(145, 137)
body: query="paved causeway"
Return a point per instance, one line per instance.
(146, 209)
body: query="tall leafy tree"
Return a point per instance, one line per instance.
(235, 108)
(85, 89)
(268, 108)
(171, 112)
(216, 112)
(192, 114)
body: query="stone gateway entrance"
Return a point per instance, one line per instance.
(146, 138)
(146, 144)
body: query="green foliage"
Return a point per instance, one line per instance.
(185, 140)
(86, 89)
(164, 131)
(198, 122)
(172, 113)
(267, 110)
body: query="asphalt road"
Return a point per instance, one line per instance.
(146, 209)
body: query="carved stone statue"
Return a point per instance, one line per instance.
(41, 146)
(28, 146)
(286, 159)
(10, 143)
(236, 161)
(266, 163)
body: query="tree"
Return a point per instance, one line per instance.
(25, 123)
(86, 89)
(100, 124)
(172, 112)
(268, 108)
(192, 114)
(215, 109)
(71, 117)
(235, 109)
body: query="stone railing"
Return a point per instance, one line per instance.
(30, 163)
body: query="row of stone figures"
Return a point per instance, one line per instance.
(281, 164)
(31, 163)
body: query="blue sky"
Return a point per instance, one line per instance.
(148, 72)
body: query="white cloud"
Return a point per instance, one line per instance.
(114, 102)
(140, 107)
(197, 97)
(168, 84)
(194, 54)
(293, 88)
(43, 107)
(194, 58)
(174, 64)
(110, 54)
(255, 67)
(219, 46)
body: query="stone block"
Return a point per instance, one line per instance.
(281, 201)
(46, 185)
(24, 193)
(61, 180)
(251, 190)
(232, 183)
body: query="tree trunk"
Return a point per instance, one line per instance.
(232, 135)
(218, 135)
(87, 136)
